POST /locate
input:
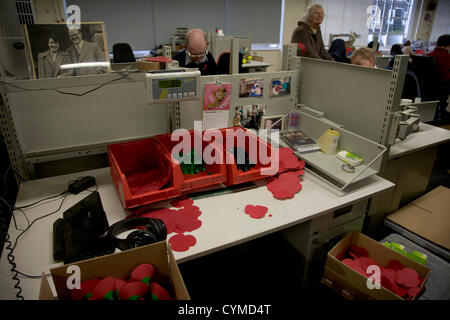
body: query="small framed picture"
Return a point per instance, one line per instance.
(250, 88)
(272, 122)
(280, 87)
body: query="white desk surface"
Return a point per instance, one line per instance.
(254, 64)
(427, 136)
(224, 222)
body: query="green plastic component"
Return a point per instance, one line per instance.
(414, 255)
(418, 256)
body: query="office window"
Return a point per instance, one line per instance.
(393, 21)
(24, 11)
(388, 19)
(343, 17)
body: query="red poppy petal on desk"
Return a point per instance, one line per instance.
(256, 212)
(181, 242)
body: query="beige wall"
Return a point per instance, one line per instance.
(48, 11)
(293, 10)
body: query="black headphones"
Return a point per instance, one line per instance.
(155, 230)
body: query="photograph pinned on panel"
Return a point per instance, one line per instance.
(249, 116)
(57, 51)
(280, 87)
(251, 88)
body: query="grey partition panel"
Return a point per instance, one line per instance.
(220, 45)
(354, 96)
(50, 122)
(191, 111)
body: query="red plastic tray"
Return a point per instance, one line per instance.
(235, 176)
(143, 172)
(214, 174)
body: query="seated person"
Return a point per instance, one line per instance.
(395, 50)
(309, 35)
(370, 45)
(407, 48)
(195, 54)
(363, 57)
(441, 54)
(338, 51)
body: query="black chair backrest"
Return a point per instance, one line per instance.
(224, 65)
(427, 72)
(122, 53)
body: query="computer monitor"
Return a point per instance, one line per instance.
(13, 61)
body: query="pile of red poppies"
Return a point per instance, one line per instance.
(286, 183)
(396, 277)
(139, 286)
(180, 220)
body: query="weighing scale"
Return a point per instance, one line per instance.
(167, 87)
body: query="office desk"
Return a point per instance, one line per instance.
(224, 223)
(255, 66)
(409, 166)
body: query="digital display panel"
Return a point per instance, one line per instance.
(166, 84)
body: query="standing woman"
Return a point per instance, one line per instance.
(308, 33)
(49, 61)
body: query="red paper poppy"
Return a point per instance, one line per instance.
(407, 277)
(288, 160)
(359, 251)
(181, 242)
(396, 265)
(355, 265)
(256, 212)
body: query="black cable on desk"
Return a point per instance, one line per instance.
(11, 259)
(11, 248)
(66, 93)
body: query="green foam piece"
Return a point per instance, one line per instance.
(109, 296)
(146, 280)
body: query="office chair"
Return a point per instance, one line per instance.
(122, 53)
(224, 63)
(427, 72)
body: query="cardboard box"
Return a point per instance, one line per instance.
(354, 285)
(120, 265)
(428, 216)
(150, 65)
(258, 58)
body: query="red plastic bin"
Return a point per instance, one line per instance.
(215, 173)
(235, 176)
(143, 172)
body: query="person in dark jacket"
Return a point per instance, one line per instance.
(338, 51)
(395, 50)
(195, 55)
(309, 34)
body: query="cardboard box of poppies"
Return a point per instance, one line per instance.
(359, 267)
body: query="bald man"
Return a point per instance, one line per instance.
(195, 54)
